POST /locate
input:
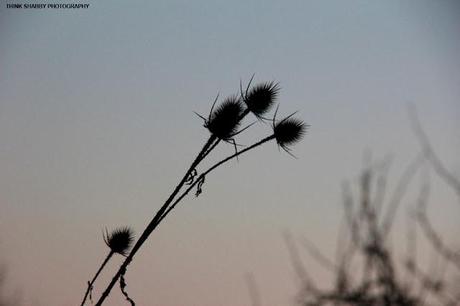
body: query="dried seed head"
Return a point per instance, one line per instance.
(289, 131)
(119, 240)
(224, 121)
(261, 97)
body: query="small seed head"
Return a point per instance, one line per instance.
(260, 98)
(288, 132)
(224, 121)
(119, 240)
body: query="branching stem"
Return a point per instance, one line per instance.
(153, 223)
(166, 208)
(202, 175)
(91, 283)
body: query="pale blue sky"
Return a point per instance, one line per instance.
(96, 125)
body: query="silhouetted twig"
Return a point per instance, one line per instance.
(123, 289)
(89, 290)
(223, 123)
(119, 241)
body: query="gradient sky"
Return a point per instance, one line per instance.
(97, 125)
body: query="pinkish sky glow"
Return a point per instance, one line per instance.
(97, 125)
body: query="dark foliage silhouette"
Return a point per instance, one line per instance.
(367, 271)
(223, 123)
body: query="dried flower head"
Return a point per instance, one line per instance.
(288, 131)
(224, 121)
(260, 98)
(119, 240)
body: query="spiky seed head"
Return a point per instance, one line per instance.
(224, 121)
(119, 240)
(289, 131)
(260, 98)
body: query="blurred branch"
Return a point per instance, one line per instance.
(430, 233)
(368, 225)
(298, 265)
(435, 239)
(399, 192)
(430, 154)
(318, 255)
(253, 290)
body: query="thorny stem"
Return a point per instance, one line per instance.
(165, 209)
(212, 142)
(91, 283)
(216, 142)
(153, 223)
(202, 175)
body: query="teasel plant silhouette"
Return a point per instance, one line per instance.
(119, 241)
(223, 123)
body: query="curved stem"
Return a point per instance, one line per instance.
(161, 214)
(151, 226)
(202, 175)
(212, 142)
(90, 284)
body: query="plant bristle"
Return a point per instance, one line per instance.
(120, 240)
(225, 119)
(261, 97)
(289, 131)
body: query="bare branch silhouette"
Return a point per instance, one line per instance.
(369, 219)
(430, 154)
(381, 282)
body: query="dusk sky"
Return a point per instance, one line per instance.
(97, 127)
